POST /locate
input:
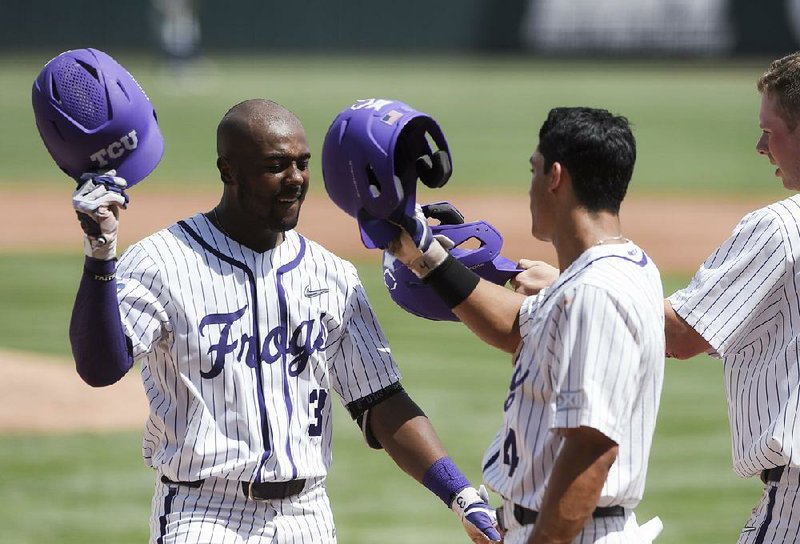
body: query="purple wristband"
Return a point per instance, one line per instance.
(445, 480)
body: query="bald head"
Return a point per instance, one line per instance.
(249, 122)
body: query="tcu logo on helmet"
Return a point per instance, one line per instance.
(129, 142)
(370, 103)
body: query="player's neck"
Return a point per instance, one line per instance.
(254, 237)
(579, 230)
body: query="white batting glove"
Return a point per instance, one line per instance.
(479, 519)
(417, 247)
(97, 201)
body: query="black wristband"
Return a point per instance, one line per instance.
(452, 281)
(101, 277)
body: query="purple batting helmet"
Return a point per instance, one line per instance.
(416, 297)
(93, 116)
(373, 153)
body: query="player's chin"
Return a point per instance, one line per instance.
(285, 215)
(792, 184)
(286, 222)
(538, 233)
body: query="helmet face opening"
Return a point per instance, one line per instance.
(370, 152)
(92, 116)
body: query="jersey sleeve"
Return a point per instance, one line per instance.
(725, 294)
(142, 301)
(596, 357)
(527, 312)
(361, 363)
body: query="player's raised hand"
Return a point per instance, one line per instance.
(479, 519)
(97, 201)
(536, 275)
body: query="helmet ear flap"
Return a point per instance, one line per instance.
(434, 170)
(444, 212)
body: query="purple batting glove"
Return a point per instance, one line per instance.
(479, 519)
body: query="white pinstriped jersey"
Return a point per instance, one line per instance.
(239, 350)
(745, 301)
(592, 354)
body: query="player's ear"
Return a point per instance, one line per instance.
(224, 168)
(557, 175)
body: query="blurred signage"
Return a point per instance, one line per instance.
(628, 26)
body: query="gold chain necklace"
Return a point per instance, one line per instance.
(619, 238)
(219, 223)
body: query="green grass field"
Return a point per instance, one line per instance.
(696, 122)
(94, 488)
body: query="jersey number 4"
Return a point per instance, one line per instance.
(317, 399)
(510, 456)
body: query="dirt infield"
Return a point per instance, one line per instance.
(48, 396)
(678, 235)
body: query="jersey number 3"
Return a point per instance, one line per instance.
(317, 400)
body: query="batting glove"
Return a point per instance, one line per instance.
(479, 519)
(97, 201)
(409, 239)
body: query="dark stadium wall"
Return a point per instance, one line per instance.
(332, 25)
(249, 25)
(762, 28)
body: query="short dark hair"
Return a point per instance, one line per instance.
(782, 81)
(598, 150)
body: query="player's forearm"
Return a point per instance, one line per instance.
(578, 476)
(492, 313)
(100, 348)
(682, 341)
(406, 434)
(489, 310)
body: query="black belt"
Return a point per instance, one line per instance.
(772, 474)
(267, 491)
(257, 491)
(524, 516)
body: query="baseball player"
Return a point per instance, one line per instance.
(571, 457)
(743, 306)
(243, 328)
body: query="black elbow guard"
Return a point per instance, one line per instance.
(359, 411)
(363, 423)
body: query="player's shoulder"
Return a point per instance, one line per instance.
(159, 241)
(777, 221)
(786, 211)
(320, 262)
(621, 272)
(316, 252)
(614, 264)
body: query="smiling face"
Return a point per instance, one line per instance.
(265, 168)
(780, 145)
(273, 176)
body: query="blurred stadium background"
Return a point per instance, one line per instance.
(683, 71)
